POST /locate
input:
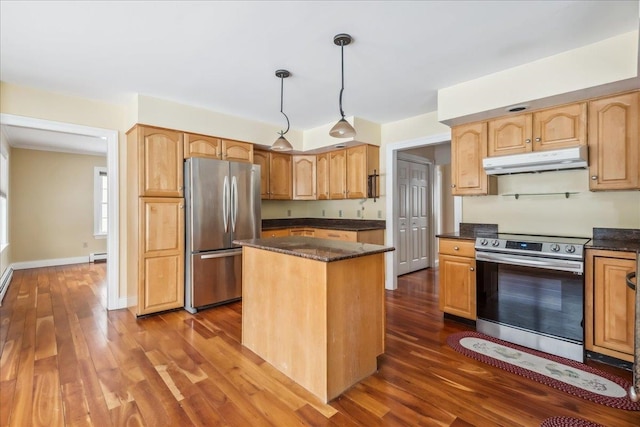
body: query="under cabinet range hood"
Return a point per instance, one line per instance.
(537, 161)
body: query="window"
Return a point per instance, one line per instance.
(100, 217)
(4, 206)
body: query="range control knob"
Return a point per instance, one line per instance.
(555, 247)
(484, 242)
(495, 243)
(570, 249)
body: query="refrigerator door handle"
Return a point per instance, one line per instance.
(234, 203)
(222, 254)
(225, 204)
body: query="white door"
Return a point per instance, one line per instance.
(413, 208)
(419, 183)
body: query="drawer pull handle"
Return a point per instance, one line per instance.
(630, 284)
(472, 269)
(333, 235)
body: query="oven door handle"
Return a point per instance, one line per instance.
(548, 263)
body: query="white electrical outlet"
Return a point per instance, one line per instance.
(322, 212)
(340, 213)
(379, 214)
(358, 213)
(288, 212)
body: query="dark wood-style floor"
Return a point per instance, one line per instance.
(67, 361)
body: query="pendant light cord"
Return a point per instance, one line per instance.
(342, 88)
(281, 103)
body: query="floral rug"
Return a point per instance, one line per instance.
(560, 373)
(568, 422)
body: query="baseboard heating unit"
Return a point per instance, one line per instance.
(4, 282)
(98, 257)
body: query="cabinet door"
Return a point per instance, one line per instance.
(237, 151)
(458, 286)
(304, 177)
(468, 148)
(356, 172)
(614, 140)
(161, 252)
(322, 176)
(337, 174)
(201, 146)
(510, 135)
(161, 158)
(280, 187)
(560, 127)
(262, 158)
(613, 305)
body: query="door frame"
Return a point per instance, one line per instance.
(113, 243)
(391, 157)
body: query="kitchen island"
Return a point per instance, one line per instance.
(314, 309)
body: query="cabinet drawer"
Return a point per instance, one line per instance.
(458, 247)
(280, 232)
(350, 236)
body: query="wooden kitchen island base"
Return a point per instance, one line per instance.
(320, 323)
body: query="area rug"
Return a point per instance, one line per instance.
(563, 374)
(568, 422)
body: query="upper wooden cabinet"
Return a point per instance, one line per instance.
(216, 148)
(322, 176)
(202, 146)
(468, 148)
(304, 177)
(156, 158)
(609, 303)
(275, 174)
(237, 151)
(614, 140)
(361, 161)
(261, 158)
(338, 174)
(510, 135)
(550, 129)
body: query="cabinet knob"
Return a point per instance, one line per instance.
(472, 269)
(181, 206)
(455, 248)
(528, 141)
(453, 186)
(538, 139)
(594, 177)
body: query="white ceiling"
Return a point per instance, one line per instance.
(223, 55)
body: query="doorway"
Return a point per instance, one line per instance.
(111, 137)
(391, 228)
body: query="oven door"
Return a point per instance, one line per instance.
(519, 294)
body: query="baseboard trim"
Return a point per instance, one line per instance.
(49, 262)
(126, 302)
(5, 281)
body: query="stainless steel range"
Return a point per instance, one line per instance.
(530, 291)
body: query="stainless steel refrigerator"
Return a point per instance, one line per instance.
(222, 204)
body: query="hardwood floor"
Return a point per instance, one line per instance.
(67, 361)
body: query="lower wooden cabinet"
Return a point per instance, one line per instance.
(160, 255)
(609, 303)
(458, 278)
(375, 237)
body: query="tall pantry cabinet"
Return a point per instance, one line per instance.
(155, 223)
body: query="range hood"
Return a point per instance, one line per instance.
(537, 161)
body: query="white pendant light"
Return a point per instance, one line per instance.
(342, 129)
(281, 144)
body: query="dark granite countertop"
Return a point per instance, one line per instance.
(328, 223)
(313, 248)
(615, 239)
(469, 231)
